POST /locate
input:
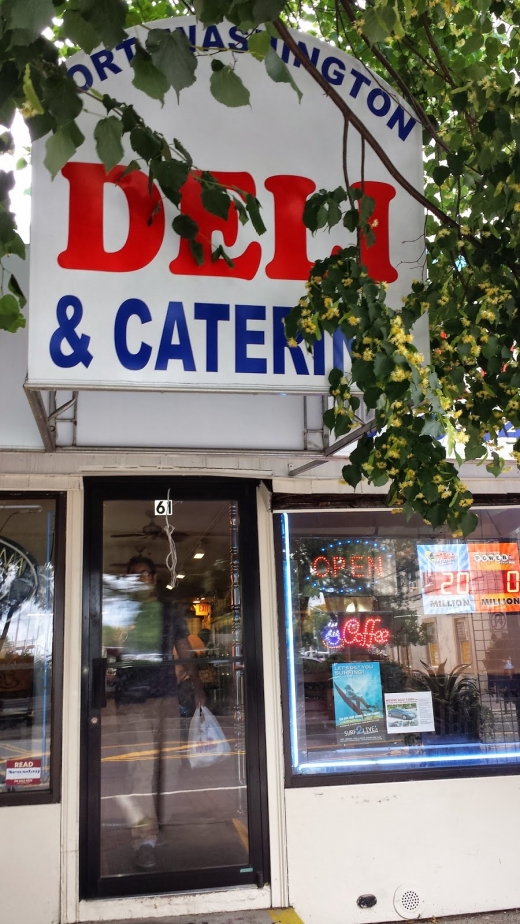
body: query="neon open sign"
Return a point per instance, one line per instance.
(350, 566)
(358, 566)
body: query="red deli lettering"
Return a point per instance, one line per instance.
(86, 251)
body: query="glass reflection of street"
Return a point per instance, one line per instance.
(170, 650)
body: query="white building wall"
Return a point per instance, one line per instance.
(18, 429)
(453, 841)
(30, 864)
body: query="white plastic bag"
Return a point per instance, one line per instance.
(207, 742)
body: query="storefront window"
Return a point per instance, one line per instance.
(403, 644)
(27, 624)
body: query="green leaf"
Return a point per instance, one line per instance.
(7, 182)
(228, 88)
(398, 26)
(432, 427)
(490, 348)
(14, 287)
(440, 174)
(172, 55)
(145, 143)
(30, 93)
(366, 207)
(468, 523)
(241, 210)
(210, 11)
(311, 211)
(487, 123)
(40, 125)
(379, 480)
(329, 418)
(379, 23)
(214, 198)
(253, 210)
(474, 449)
(15, 246)
(171, 176)
(133, 165)
(220, 253)
(108, 142)
(107, 18)
(31, 15)
(129, 118)
(351, 474)
(259, 44)
(79, 31)
(7, 112)
(11, 319)
(147, 77)
(62, 99)
(197, 252)
(184, 226)
(278, 70)
(351, 219)
(496, 466)
(59, 149)
(183, 152)
(267, 10)
(7, 227)
(383, 365)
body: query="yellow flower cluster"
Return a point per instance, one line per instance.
(400, 375)
(332, 309)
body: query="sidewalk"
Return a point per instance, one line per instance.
(289, 916)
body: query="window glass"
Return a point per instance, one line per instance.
(403, 644)
(27, 559)
(174, 788)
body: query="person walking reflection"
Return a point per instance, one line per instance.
(147, 705)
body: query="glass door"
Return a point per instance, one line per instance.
(173, 744)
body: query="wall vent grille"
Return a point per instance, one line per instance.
(407, 901)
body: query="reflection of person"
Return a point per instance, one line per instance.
(354, 700)
(185, 685)
(147, 705)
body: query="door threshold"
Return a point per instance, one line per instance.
(263, 916)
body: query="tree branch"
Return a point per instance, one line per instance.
(416, 106)
(407, 42)
(354, 120)
(436, 50)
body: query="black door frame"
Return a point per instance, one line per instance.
(98, 490)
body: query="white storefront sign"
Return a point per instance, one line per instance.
(118, 301)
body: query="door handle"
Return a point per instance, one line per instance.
(98, 687)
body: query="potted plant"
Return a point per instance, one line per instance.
(456, 700)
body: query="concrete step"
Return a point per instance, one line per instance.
(272, 916)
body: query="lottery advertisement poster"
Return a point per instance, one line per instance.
(469, 577)
(495, 576)
(445, 578)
